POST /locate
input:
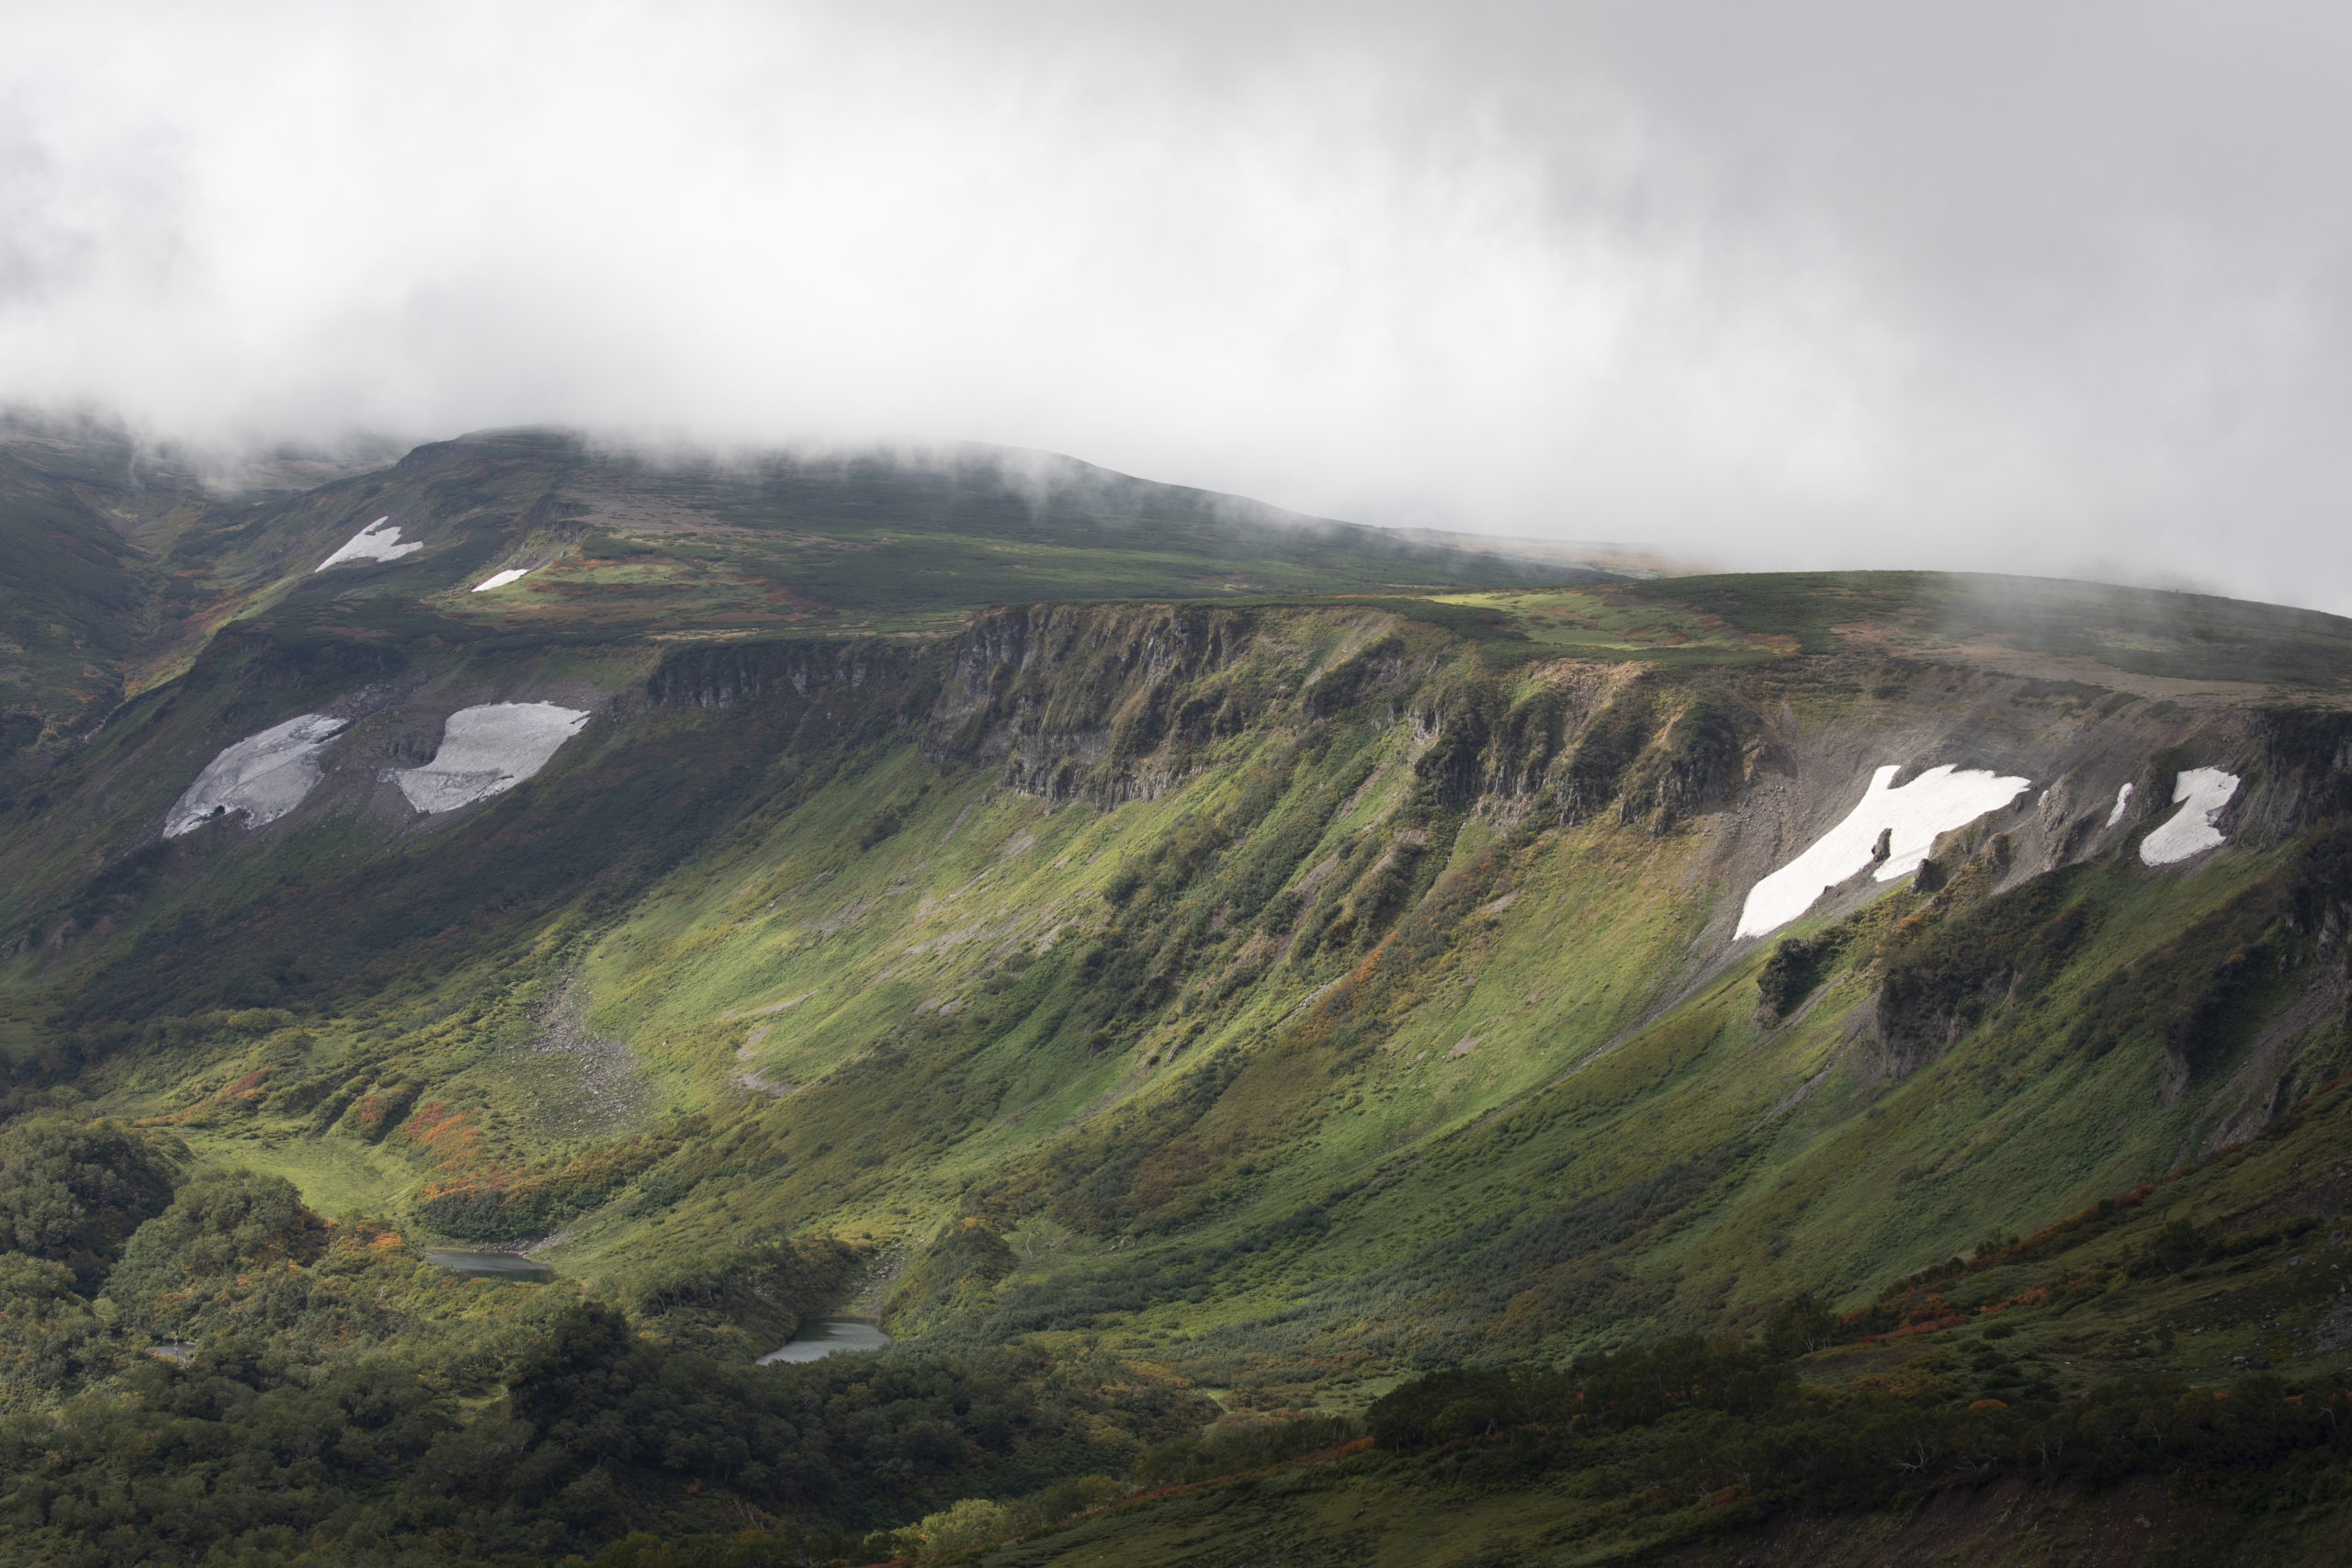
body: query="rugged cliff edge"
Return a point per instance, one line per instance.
(1280, 998)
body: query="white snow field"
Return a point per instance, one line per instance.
(369, 543)
(2199, 793)
(2122, 800)
(501, 579)
(1936, 802)
(486, 750)
(263, 775)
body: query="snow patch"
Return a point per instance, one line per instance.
(487, 749)
(265, 776)
(375, 542)
(2122, 800)
(1936, 802)
(2199, 793)
(501, 579)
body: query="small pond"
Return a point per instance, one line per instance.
(489, 1264)
(829, 1336)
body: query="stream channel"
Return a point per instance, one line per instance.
(489, 1264)
(828, 1337)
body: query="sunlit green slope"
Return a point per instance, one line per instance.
(1203, 931)
(1272, 999)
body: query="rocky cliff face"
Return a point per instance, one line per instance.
(722, 676)
(1245, 928)
(1101, 703)
(1282, 998)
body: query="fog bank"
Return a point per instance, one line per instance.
(2035, 289)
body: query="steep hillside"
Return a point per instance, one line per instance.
(123, 562)
(77, 585)
(1161, 1011)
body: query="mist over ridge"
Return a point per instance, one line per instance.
(520, 943)
(2025, 290)
(837, 784)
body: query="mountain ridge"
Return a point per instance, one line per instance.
(1178, 1017)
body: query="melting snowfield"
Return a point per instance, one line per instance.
(2199, 793)
(2122, 804)
(1936, 802)
(486, 750)
(375, 542)
(501, 579)
(265, 776)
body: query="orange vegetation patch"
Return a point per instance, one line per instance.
(1928, 1328)
(2034, 1297)
(449, 1135)
(247, 1088)
(373, 1109)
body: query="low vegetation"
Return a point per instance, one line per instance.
(1279, 1068)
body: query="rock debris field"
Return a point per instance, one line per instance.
(577, 1083)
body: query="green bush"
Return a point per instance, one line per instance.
(71, 1191)
(740, 1301)
(220, 1226)
(958, 1272)
(1792, 973)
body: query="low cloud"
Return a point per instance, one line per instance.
(2046, 289)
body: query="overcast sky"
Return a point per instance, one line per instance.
(2049, 287)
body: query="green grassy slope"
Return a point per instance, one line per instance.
(1505, 1053)
(1267, 1001)
(622, 545)
(123, 563)
(2194, 636)
(1308, 953)
(75, 588)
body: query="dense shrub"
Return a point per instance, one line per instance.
(71, 1191)
(737, 1301)
(525, 1203)
(1792, 973)
(958, 1272)
(1963, 965)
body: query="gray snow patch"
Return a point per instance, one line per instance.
(375, 542)
(265, 776)
(487, 749)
